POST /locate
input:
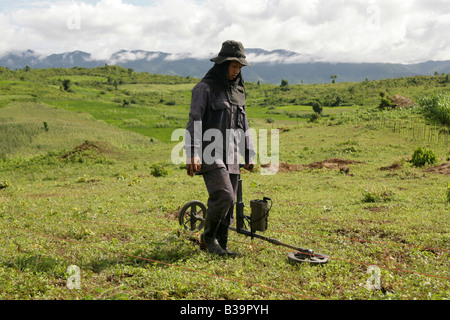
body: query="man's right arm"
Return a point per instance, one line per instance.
(193, 141)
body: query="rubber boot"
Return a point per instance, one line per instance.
(209, 237)
(222, 238)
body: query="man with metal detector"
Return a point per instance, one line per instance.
(216, 136)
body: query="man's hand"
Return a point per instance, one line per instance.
(194, 166)
(249, 166)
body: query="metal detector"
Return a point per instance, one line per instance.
(192, 217)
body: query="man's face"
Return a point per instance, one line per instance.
(234, 69)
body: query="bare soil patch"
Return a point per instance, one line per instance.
(394, 166)
(330, 164)
(441, 169)
(399, 101)
(96, 147)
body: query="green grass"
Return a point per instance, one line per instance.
(106, 209)
(22, 130)
(110, 218)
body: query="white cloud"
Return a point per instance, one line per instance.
(131, 56)
(279, 57)
(333, 30)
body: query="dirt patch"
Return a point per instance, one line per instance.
(282, 167)
(96, 147)
(392, 167)
(330, 164)
(286, 167)
(441, 169)
(399, 101)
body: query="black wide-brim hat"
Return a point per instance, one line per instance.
(231, 50)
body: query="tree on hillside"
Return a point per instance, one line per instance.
(317, 107)
(284, 85)
(66, 84)
(334, 77)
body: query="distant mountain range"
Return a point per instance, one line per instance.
(267, 66)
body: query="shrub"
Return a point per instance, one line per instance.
(314, 117)
(159, 170)
(385, 103)
(67, 85)
(317, 108)
(371, 196)
(422, 157)
(4, 184)
(284, 83)
(125, 104)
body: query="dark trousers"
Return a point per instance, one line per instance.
(222, 188)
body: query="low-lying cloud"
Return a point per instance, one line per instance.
(331, 30)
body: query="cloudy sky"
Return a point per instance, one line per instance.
(401, 31)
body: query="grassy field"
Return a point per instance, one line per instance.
(86, 180)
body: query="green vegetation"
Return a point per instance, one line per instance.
(422, 157)
(437, 107)
(86, 180)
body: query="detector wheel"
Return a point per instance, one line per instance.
(192, 216)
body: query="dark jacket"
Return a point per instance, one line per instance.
(212, 109)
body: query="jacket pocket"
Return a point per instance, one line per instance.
(220, 114)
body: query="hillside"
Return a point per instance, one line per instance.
(90, 197)
(154, 105)
(267, 66)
